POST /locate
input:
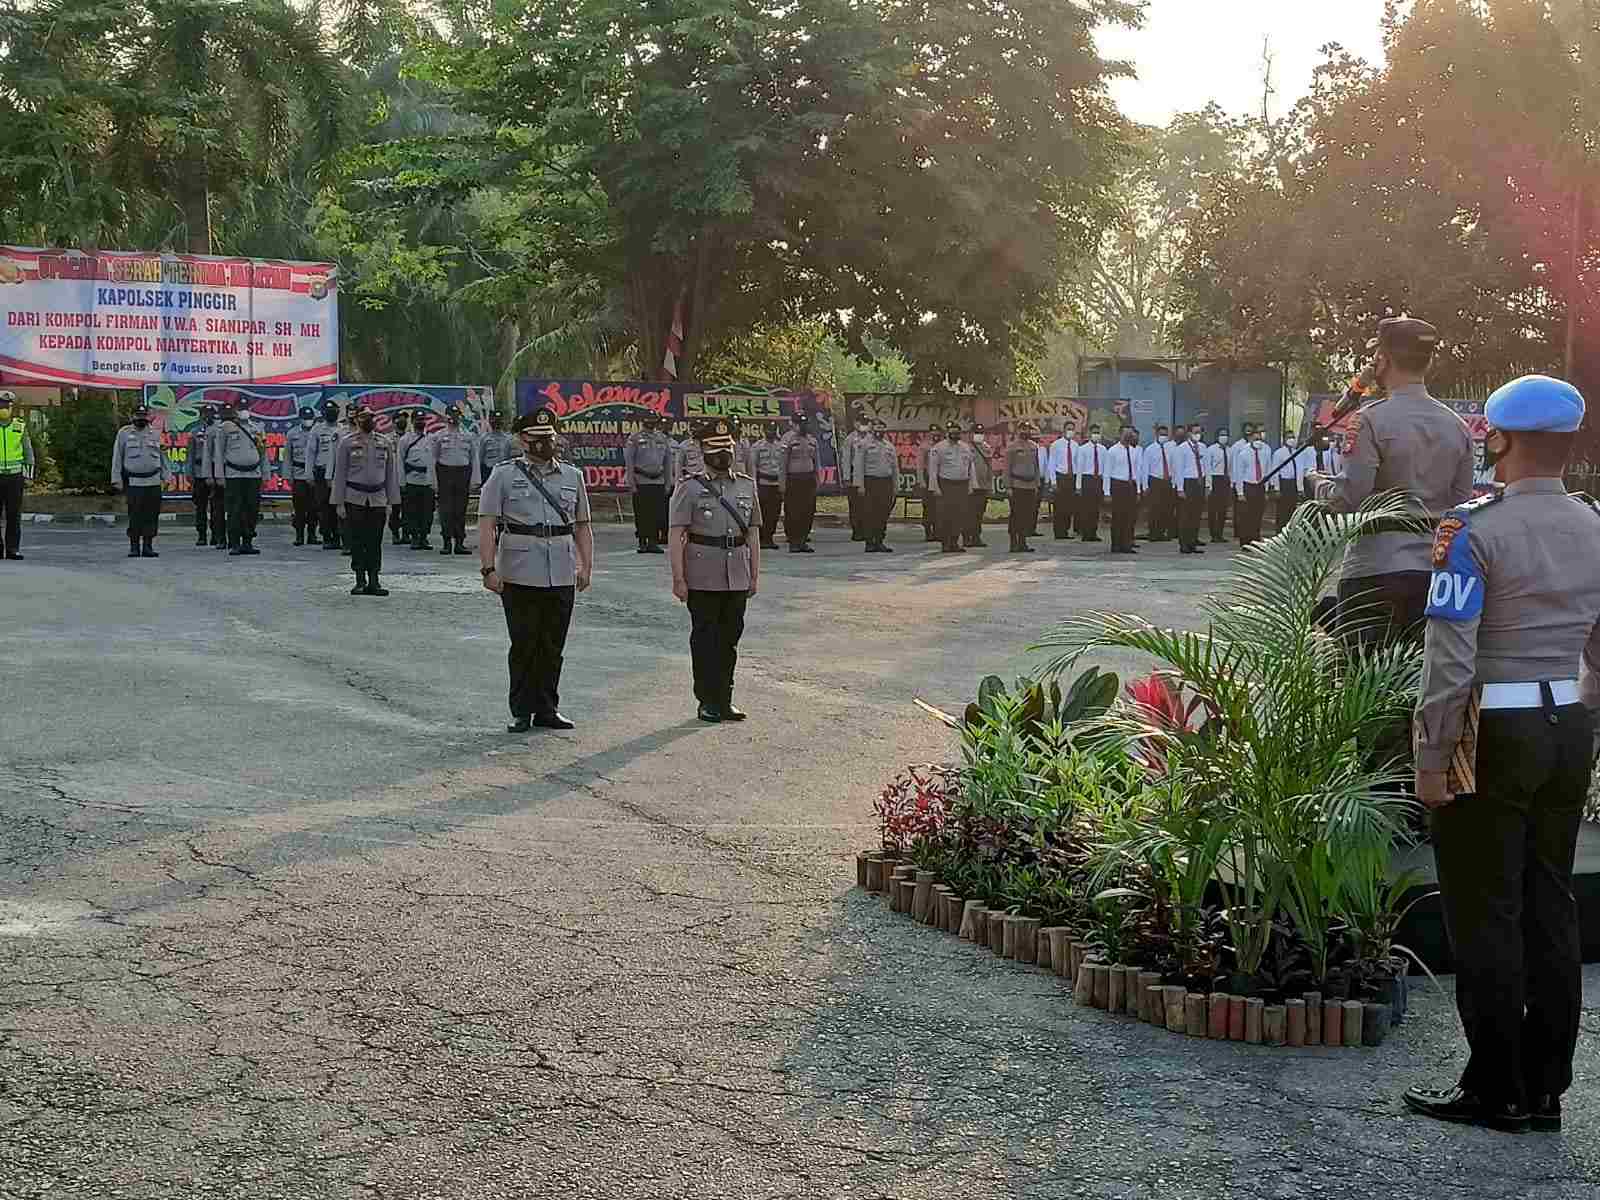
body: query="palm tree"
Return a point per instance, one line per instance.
(1293, 811)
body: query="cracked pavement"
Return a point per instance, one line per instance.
(283, 914)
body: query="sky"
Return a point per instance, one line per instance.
(1191, 52)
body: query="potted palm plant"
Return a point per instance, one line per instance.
(1268, 733)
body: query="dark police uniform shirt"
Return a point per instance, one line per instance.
(364, 471)
(696, 508)
(1515, 598)
(522, 558)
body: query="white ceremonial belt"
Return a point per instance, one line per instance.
(1527, 695)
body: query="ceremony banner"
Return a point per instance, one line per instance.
(598, 417)
(116, 319)
(175, 411)
(1470, 411)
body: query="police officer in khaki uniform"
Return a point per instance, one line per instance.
(952, 476)
(982, 485)
(800, 485)
(455, 465)
(139, 468)
(716, 564)
(328, 432)
(418, 483)
(744, 449)
(1513, 623)
(930, 497)
(299, 468)
(240, 467)
(209, 518)
(495, 447)
(646, 463)
(398, 420)
(365, 484)
(771, 459)
(849, 479)
(1022, 486)
(537, 552)
(1407, 441)
(876, 470)
(687, 459)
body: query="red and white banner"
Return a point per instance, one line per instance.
(120, 319)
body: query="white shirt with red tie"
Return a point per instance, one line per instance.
(1160, 459)
(1088, 461)
(1188, 462)
(1124, 463)
(1252, 463)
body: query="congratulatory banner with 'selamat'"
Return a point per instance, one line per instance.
(120, 320)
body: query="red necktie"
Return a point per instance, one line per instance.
(1199, 471)
(1256, 450)
(1165, 473)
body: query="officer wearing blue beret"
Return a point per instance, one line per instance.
(1513, 648)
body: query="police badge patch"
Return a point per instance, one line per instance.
(1456, 591)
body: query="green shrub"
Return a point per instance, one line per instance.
(81, 433)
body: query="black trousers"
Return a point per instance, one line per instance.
(322, 486)
(952, 511)
(200, 493)
(144, 511)
(855, 500)
(396, 521)
(1163, 516)
(1288, 500)
(1374, 609)
(1217, 507)
(876, 505)
(243, 498)
(1067, 507)
(799, 508)
(417, 498)
(455, 485)
(1024, 511)
(650, 512)
(1191, 509)
(717, 625)
(1124, 511)
(930, 513)
(977, 509)
(1505, 859)
(1089, 503)
(1247, 513)
(537, 619)
(363, 532)
(304, 498)
(11, 511)
(771, 496)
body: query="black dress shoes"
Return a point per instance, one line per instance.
(709, 714)
(374, 588)
(520, 725)
(553, 721)
(1461, 1107)
(730, 713)
(1545, 1115)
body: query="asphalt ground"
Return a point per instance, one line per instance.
(284, 913)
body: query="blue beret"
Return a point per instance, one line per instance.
(1536, 403)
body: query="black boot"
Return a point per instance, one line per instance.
(461, 547)
(360, 588)
(200, 540)
(374, 588)
(150, 549)
(133, 547)
(248, 546)
(299, 537)
(644, 547)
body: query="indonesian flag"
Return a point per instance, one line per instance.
(669, 361)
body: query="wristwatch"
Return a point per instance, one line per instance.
(486, 571)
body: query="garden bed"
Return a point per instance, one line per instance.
(1309, 1019)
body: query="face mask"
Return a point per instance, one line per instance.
(955, 437)
(544, 447)
(365, 424)
(5, 414)
(1161, 439)
(1255, 439)
(1289, 442)
(1095, 438)
(1491, 455)
(1194, 437)
(1222, 439)
(720, 461)
(140, 422)
(454, 421)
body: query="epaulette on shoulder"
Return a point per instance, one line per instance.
(1479, 503)
(1587, 501)
(1372, 403)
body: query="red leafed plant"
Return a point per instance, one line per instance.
(1159, 700)
(916, 805)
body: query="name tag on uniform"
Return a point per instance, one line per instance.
(1455, 592)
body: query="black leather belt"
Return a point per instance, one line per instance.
(1420, 526)
(648, 474)
(140, 474)
(364, 487)
(539, 531)
(235, 466)
(769, 480)
(730, 541)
